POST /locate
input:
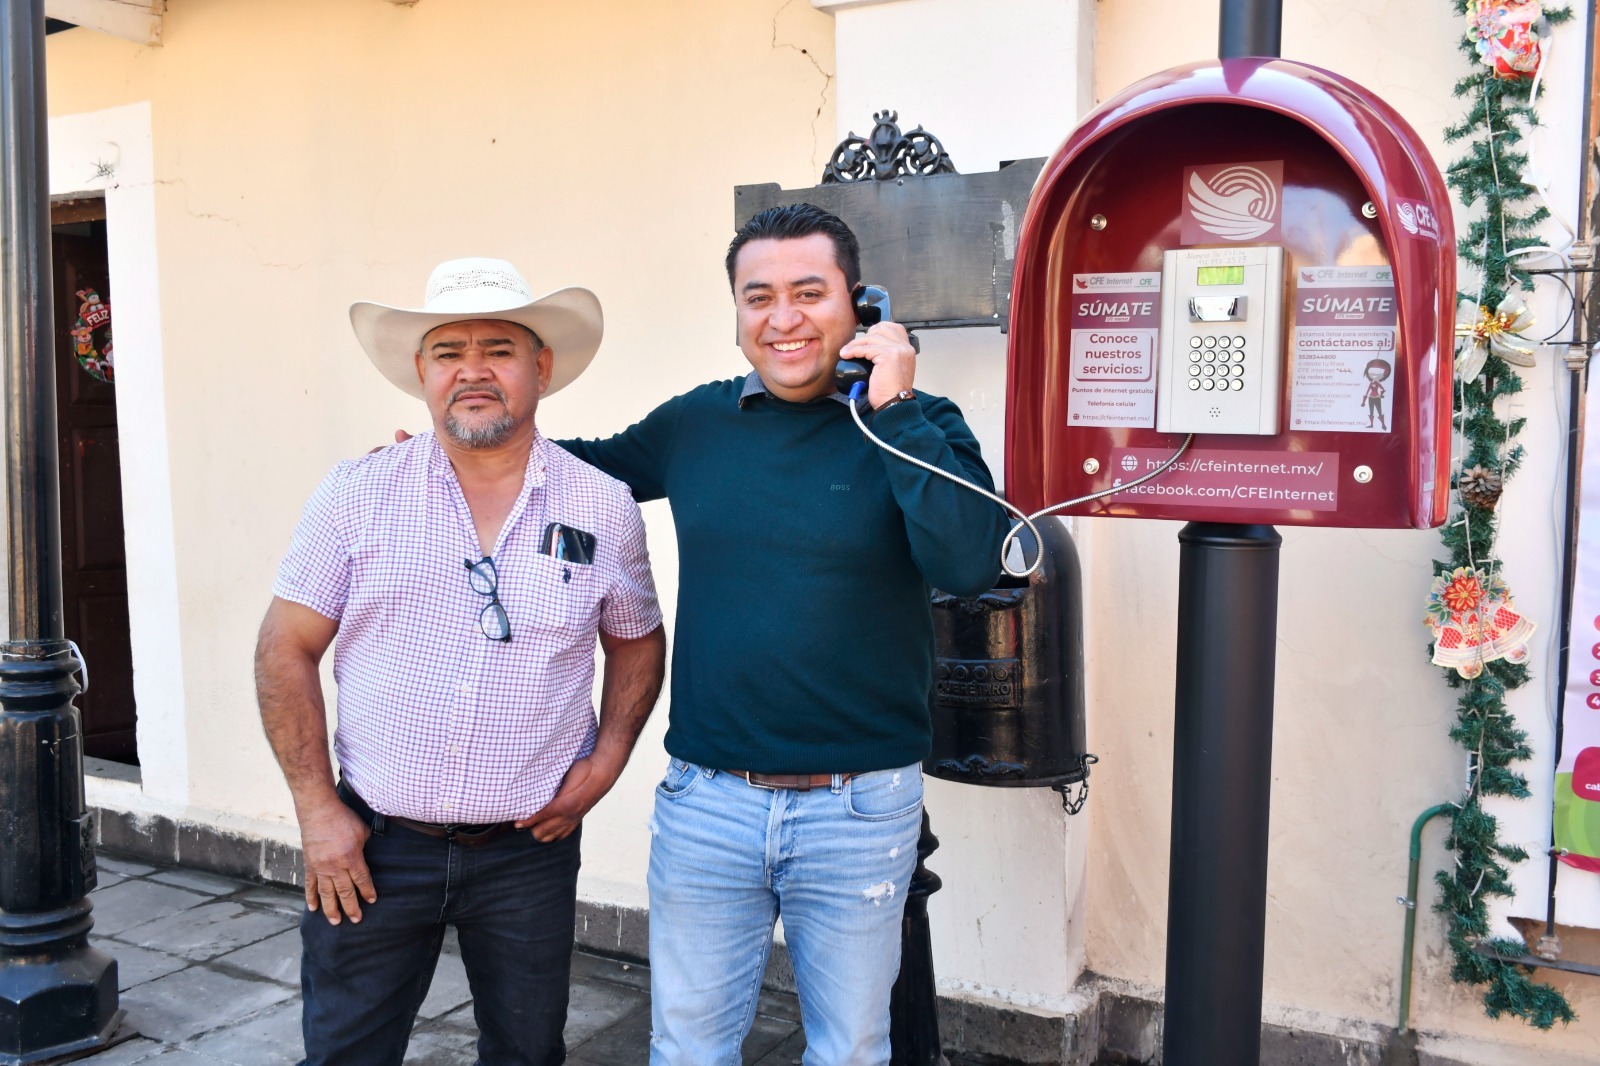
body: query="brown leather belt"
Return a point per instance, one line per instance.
(457, 833)
(798, 782)
(468, 835)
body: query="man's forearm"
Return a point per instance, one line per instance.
(289, 690)
(631, 683)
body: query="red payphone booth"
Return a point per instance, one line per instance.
(1254, 251)
(1250, 262)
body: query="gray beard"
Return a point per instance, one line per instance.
(490, 434)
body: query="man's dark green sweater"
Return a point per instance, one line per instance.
(804, 641)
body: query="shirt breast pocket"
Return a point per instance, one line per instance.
(561, 596)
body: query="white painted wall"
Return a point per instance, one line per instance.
(110, 151)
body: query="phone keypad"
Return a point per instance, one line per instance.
(1216, 363)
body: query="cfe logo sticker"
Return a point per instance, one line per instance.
(1417, 219)
(1232, 202)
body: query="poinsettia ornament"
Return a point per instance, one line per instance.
(1474, 621)
(1508, 35)
(1499, 331)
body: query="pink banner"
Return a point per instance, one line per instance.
(1577, 784)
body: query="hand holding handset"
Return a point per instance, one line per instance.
(872, 307)
(850, 375)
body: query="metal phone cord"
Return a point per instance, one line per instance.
(1023, 519)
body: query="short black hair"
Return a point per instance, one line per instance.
(792, 221)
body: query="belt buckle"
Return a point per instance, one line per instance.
(459, 833)
(750, 780)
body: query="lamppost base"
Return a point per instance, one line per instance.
(58, 993)
(46, 1008)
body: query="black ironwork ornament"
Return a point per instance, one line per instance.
(887, 154)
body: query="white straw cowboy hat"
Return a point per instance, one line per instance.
(567, 320)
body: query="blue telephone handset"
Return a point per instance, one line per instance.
(872, 307)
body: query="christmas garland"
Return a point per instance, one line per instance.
(1506, 39)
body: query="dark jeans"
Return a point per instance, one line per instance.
(512, 902)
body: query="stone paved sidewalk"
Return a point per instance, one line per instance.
(209, 970)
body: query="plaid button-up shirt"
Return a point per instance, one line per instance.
(437, 722)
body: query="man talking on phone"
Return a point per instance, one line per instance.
(799, 709)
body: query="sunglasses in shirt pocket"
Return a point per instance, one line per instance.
(562, 595)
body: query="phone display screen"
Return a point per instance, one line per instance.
(1219, 275)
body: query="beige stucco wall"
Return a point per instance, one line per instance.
(311, 152)
(1360, 745)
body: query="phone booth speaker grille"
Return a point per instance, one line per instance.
(1254, 251)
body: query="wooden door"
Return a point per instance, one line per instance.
(93, 561)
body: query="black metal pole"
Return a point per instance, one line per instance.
(33, 495)
(914, 1002)
(1251, 28)
(1221, 788)
(58, 995)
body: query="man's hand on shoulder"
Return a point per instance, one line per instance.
(584, 785)
(400, 437)
(332, 838)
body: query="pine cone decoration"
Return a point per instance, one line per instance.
(1480, 487)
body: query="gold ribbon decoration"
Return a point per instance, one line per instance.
(1500, 331)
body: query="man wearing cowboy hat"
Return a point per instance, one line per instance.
(465, 574)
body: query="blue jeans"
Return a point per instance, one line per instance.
(727, 859)
(512, 902)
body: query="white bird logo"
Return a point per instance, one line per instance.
(1237, 204)
(1407, 215)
